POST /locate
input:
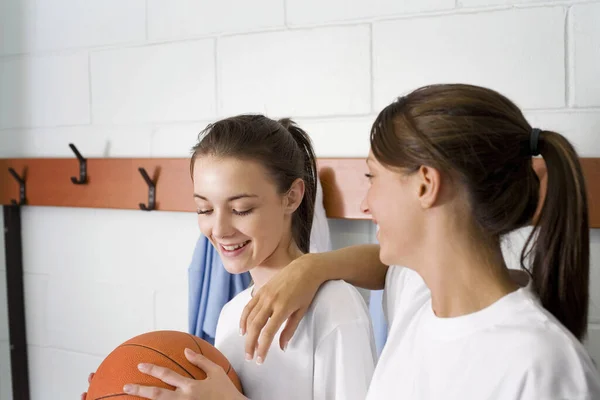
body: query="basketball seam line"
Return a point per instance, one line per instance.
(200, 348)
(161, 353)
(197, 344)
(111, 395)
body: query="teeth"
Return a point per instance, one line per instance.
(234, 247)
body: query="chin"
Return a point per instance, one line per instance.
(235, 268)
(386, 257)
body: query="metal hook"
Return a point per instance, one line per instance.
(82, 167)
(21, 182)
(151, 192)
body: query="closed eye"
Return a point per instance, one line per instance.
(242, 213)
(203, 212)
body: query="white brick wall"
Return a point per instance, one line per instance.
(88, 23)
(17, 25)
(92, 141)
(3, 308)
(33, 26)
(170, 82)
(5, 377)
(580, 127)
(44, 91)
(142, 78)
(330, 67)
(585, 54)
(473, 48)
(59, 374)
(181, 18)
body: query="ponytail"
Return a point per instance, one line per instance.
(560, 252)
(302, 219)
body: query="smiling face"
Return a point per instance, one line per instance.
(241, 212)
(394, 203)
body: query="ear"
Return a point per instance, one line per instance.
(293, 197)
(429, 182)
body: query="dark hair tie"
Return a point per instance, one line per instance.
(534, 141)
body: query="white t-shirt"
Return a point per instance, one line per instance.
(513, 349)
(331, 356)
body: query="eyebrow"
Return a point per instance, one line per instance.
(232, 198)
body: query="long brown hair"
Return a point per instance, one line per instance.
(281, 147)
(481, 137)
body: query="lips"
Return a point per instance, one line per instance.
(234, 247)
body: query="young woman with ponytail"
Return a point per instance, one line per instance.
(255, 186)
(451, 174)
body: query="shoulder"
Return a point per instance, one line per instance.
(544, 350)
(405, 291)
(338, 303)
(234, 307)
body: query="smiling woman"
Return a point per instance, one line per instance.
(254, 188)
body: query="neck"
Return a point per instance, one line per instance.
(464, 275)
(279, 259)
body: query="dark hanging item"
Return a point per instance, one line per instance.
(151, 192)
(82, 167)
(22, 200)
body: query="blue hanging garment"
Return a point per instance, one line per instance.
(210, 288)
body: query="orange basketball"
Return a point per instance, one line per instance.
(163, 348)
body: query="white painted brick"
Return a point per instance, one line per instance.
(176, 140)
(36, 297)
(518, 52)
(585, 54)
(57, 374)
(91, 141)
(44, 91)
(159, 83)
(327, 134)
(592, 343)
(323, 11)
(172, 308)
(176, 19)
(94, 318)
(73, 23)
(150, 249)
(17, 26)
(5, 375)
(594, 312)
(296, 73)
(581, 128)
(3, 307)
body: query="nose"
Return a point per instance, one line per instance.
(364, 206)
(222, 227)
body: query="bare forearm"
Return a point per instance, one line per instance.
(358, 265)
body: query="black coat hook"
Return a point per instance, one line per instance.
(21, 181)
(151, 192)
(82, 167)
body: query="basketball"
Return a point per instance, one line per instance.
(162, 348)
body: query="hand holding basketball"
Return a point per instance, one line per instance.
(217, 384)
